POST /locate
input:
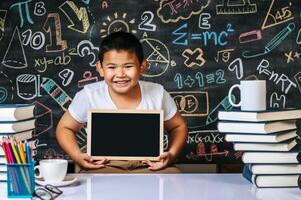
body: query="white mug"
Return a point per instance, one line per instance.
(252, 95)
(52, 170)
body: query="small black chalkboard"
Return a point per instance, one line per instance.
(125, 134)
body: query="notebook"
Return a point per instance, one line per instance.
(125, 134)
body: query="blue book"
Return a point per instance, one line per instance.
(271, 181)
(246, 173)
(16, 112)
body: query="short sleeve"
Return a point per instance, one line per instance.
(169, 106)
(79, 107)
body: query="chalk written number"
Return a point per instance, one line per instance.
(199, 79)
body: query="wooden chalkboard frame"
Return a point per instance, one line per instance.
(90, 134)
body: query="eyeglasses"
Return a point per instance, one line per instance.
(48, 192)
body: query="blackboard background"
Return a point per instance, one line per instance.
(175, 44)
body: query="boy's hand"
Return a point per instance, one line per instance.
(165, 160)
(87, 162)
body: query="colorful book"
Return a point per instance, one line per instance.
(282, 146)
(16, 112)
(271, 181)
(291, 157)
(7, 127)
(275, 168)
(256, 127)
(260, 116)
(266, 138)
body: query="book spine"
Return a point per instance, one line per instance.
(246, 172)
(299, 157)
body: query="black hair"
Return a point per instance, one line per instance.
(121, 41)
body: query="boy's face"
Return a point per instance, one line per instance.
(121, 71)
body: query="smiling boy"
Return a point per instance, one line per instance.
(121, 63)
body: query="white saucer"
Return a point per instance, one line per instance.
(67, 181)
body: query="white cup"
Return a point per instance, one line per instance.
(52, 170)
(252, 95)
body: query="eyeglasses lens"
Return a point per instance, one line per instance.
(53, 189)
(42, 194)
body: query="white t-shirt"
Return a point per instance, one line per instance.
(96, 95)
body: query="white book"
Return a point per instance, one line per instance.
(3, 176)
(261, 138)
(275, 168)
(259, 116)
(271, 157)
(256, 127)
(283, 146)
(3, 188)
(3, 167)
(2, 159)
(16, 112)
(17, 126)
(272, 181)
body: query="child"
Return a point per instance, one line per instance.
(121, 63)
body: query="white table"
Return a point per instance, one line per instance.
(170, 187)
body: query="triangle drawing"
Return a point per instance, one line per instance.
(15, 56)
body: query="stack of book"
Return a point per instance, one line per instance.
(17, 122)
(270, 144)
